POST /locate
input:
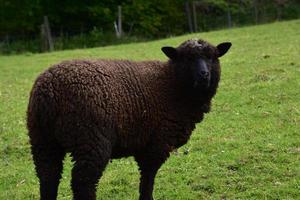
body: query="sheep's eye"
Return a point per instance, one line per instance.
(211, 58)
(208, 58)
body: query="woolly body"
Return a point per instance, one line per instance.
(103, 109)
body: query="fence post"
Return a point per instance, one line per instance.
(195, 16)
(188, 15)
(47, 32)
(120, 21)
(44, 42)
(229, 22)
(255, 11)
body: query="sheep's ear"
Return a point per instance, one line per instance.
(171, 52)
(223, 48)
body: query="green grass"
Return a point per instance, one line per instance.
(248, 147)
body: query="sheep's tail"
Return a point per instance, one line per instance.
(40, 111)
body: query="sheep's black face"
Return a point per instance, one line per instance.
(201, 73)
(197, 60)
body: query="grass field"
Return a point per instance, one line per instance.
(248, 147)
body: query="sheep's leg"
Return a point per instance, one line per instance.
(48, 160)
(90, 161)
(149, 163)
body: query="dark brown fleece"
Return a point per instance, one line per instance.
(103, 109)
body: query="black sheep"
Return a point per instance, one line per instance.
(104, 109)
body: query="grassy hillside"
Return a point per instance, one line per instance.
(248, 147)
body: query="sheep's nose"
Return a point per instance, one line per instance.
(204, 74)
(202, 69)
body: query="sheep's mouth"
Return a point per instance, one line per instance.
(201, 84)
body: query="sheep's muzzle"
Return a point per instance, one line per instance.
(201, 75)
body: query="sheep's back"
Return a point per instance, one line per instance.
(116, 97)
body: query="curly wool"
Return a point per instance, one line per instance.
(133, 100)
(103, 109)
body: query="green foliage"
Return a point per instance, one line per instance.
(20, 46)
(94, 38)
(247, 147)
(19, 16)
(154, 18)
(149, 18)
(74, 20)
